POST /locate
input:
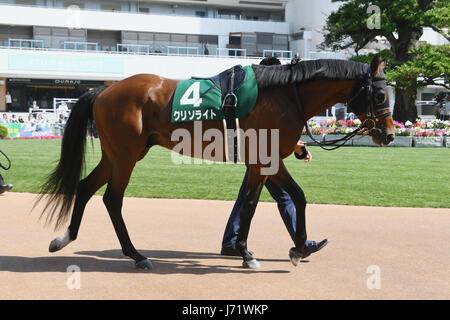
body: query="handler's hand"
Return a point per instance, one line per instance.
(299, 150)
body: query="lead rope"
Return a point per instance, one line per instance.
(9, 161)
(344, 140)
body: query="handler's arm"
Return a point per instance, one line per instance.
(301, 152)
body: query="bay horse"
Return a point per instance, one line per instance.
(134, 114)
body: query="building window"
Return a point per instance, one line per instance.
(25, 2)
(75, 4)
(229, 14)
(111, 7)
(201, 14)
(144, 10)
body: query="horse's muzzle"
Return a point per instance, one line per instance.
(380, 137)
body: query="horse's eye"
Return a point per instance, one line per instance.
(380, 97)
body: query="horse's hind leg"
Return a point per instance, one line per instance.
(255, 184)
(86, 189)
(113, 199)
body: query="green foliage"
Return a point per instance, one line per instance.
(385, 55)
(3, 131)
(401, 23)
(439, 17)
(429, 65)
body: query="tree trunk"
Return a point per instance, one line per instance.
(405, 100)
(405, 105)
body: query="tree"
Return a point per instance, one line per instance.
(428, 66)
(401, 22)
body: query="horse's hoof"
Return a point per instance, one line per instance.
(251, 264)
(144, 265)
(54, 246)
(295, 256)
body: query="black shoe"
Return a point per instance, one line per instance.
(311, 247)
(232, 251)
(5, 187)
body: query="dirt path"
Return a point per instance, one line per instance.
(400, 253)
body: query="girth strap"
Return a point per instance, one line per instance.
(231, 123)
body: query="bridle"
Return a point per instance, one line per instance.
(371, 112)
(374, 107)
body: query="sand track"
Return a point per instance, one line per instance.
(408, 248)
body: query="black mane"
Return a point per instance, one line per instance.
(269, 76)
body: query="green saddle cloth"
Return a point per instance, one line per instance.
(201, 99)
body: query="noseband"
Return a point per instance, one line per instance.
(371, 113)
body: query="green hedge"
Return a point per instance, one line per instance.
(3, 131)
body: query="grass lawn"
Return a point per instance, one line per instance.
(403, 177)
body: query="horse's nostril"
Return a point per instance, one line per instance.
(390, 137)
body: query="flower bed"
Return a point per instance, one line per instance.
(420, 133)
(33, 138)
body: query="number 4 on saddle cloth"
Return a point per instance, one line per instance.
(199, 99)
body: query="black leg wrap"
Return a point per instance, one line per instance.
(242, 248)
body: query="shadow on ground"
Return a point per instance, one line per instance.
(164, 262)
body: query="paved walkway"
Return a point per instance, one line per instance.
(374, 253)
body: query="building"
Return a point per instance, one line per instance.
(60, 48)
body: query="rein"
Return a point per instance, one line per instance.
(9, 161)
(362, 128)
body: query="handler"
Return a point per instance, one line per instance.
(286, 208)
(3, 186)
(285, 204)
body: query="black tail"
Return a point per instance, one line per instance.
(61, 185)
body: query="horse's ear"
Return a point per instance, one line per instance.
(374, 66)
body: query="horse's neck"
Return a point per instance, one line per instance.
(318, 95)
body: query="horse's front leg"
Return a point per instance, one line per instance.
(253, 189)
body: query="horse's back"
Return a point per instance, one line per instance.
(136, 88)
(126, 111)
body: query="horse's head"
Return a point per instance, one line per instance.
(369, 100)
